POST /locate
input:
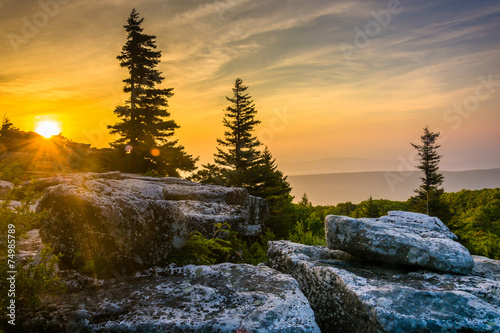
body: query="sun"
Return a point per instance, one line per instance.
(48, 128)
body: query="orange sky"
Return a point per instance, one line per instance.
(425, 64)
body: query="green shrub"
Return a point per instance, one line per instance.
(36, 277)
(11, 171)
(475, 219)
(309, 231)
(32, 277)
(199, 250)
(151, 173)
(95, 266)
(224, 246)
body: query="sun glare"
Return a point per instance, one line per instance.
(48, 128)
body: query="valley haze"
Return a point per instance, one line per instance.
(333, 188)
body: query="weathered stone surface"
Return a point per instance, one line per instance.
(400, 238)
(218, 298)
(29, 245)
(132, 221)
(5, 188)
(348, 295)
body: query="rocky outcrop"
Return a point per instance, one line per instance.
(348, 295)
(131, 221)
(218, 298)
(400, 238)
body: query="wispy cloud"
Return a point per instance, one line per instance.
(215, 8)
(425, 60)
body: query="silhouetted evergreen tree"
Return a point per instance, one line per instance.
(272, 185)
(367, 208)
(210, 174)
(239, 162)
(304, 201)
(144, 128)
(6, 125)
(430, 191)
(237, 156)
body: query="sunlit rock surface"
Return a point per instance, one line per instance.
(348, 295)
(131, 221)
(218, 298)
(400, 238)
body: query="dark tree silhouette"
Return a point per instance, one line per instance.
(239, 162)
(304, 201)
(144, 128)
(430, 191)
(6, 124)
(237, 155)
(271, 184)
(367, 208)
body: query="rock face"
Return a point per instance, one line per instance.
(350, 296)
(400, 238)
(123, 220)
(218, 298)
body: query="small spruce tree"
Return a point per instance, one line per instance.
(430, 191)
(304, 201)
(238, 155)
(6, 125)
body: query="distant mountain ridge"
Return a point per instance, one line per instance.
(332, 188)
(357, 164)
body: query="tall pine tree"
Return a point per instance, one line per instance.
(144, 128)
(238, 155)
(239, 162)
(430, 191)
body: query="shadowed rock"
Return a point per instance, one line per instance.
(400, 238)
(122, 220)
(348, 295)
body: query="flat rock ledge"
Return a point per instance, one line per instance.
(400, 238)
(217, 298)
(125, 220)
(348, 295)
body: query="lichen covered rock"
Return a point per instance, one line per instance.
(349, 295)
(218, 298)
(123, 220)
(400, 238)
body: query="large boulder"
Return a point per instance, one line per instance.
(134, 222)
(349, 295)
(400, 238)
(218, 298)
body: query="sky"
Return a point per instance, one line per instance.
(330, 79)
